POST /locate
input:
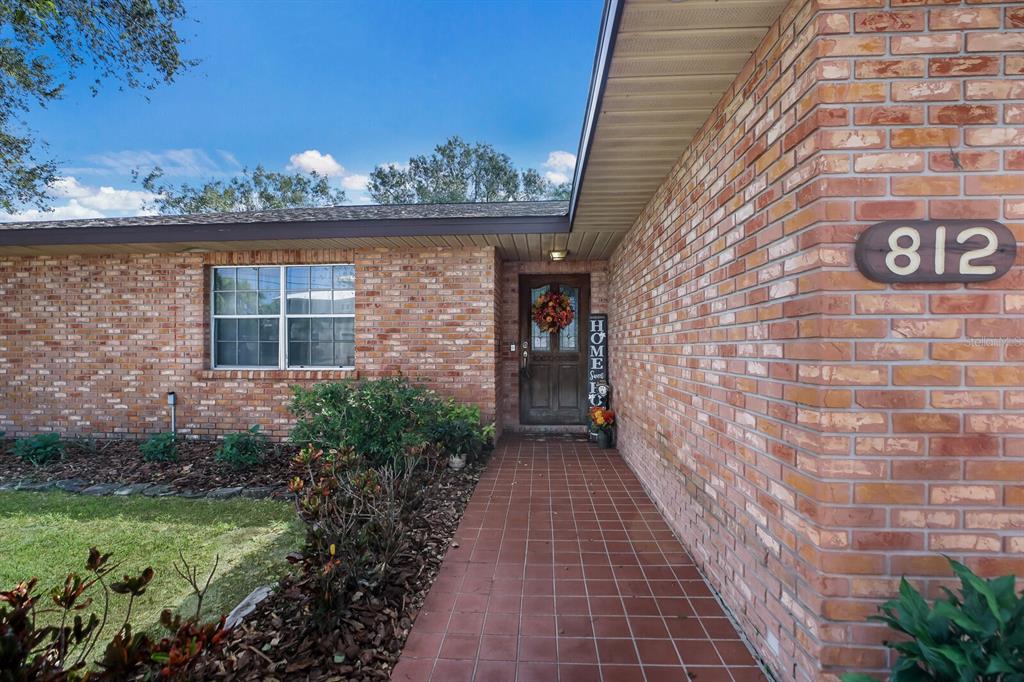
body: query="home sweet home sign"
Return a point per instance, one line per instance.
(597, 356)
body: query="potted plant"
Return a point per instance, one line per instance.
(602, 420)
(459, 438)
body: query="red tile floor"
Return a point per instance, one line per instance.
(566, 571)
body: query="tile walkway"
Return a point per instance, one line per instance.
(565, 571)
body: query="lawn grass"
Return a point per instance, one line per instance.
(47, 535)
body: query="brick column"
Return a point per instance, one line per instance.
(810, 434)
(920, 431)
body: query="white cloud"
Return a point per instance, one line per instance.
(355, 183)
(68, 186)
(70, 211)
(561, 162)
(186, 162)
(560, 167)
(83, 201)
(102, 198)
(313, 161)
(229, 157)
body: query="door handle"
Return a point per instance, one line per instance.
(524, 360)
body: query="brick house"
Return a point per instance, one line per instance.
(811, 434)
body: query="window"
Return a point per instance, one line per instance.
(293, 316)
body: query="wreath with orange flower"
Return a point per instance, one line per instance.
(553, 312)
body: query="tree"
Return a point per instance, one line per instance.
(537, 187)
(458, 172)
(44, 43)
(256, 190)
(389, 184)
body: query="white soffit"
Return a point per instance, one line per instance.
(671, 62)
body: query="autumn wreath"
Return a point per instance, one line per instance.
(553, 312)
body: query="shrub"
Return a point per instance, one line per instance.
(358, 524)
(458, 430)
(160, 447)
(38, 653)
(385, 420)
(459, 437)
(382, 420)
(976, 635)
(244, 449)
(39, 449)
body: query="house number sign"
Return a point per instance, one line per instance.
(935, 251)
(597, 356)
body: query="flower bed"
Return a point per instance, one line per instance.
(281, 639)
(121, 461)
(378, 504)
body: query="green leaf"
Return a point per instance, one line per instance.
(968, 578)
(959, 617)
(997, 665)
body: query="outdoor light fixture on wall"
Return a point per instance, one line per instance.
(172, 402)
(558, 255)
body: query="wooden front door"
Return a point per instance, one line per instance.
(552, 367)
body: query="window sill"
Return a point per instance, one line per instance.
(278, 374)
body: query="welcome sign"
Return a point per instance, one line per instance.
(597, 356)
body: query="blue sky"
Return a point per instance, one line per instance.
(334, 86)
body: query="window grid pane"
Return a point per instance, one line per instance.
(318, 316)
(541, 340)
(567, 338)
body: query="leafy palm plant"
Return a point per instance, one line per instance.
(974, 636)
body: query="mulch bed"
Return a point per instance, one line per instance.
(280, 641)
(120, 461)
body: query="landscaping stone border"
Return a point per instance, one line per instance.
(80, 487)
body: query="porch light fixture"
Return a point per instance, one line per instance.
(558, 255)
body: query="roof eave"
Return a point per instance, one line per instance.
(270, 231)
(610, 18)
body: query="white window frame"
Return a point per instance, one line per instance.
(283, 316)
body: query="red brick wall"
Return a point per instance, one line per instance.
(91, 344)
(813, 435)
(509, 312)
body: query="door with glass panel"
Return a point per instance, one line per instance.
(552, 366)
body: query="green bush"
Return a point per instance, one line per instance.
(160, 447)
(975, 636)
(459, 437)
(384, 420)
(381, 420)
(458, 430)
(39, 449)
(244, 449)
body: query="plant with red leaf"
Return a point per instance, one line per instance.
(62, 653)
(357, 523)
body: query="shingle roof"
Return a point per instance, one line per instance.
(341, 214)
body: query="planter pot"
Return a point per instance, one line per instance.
(604, 439)
(456, 462)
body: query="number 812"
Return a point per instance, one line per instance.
(935, 251)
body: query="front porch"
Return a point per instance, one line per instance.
(565, 570)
